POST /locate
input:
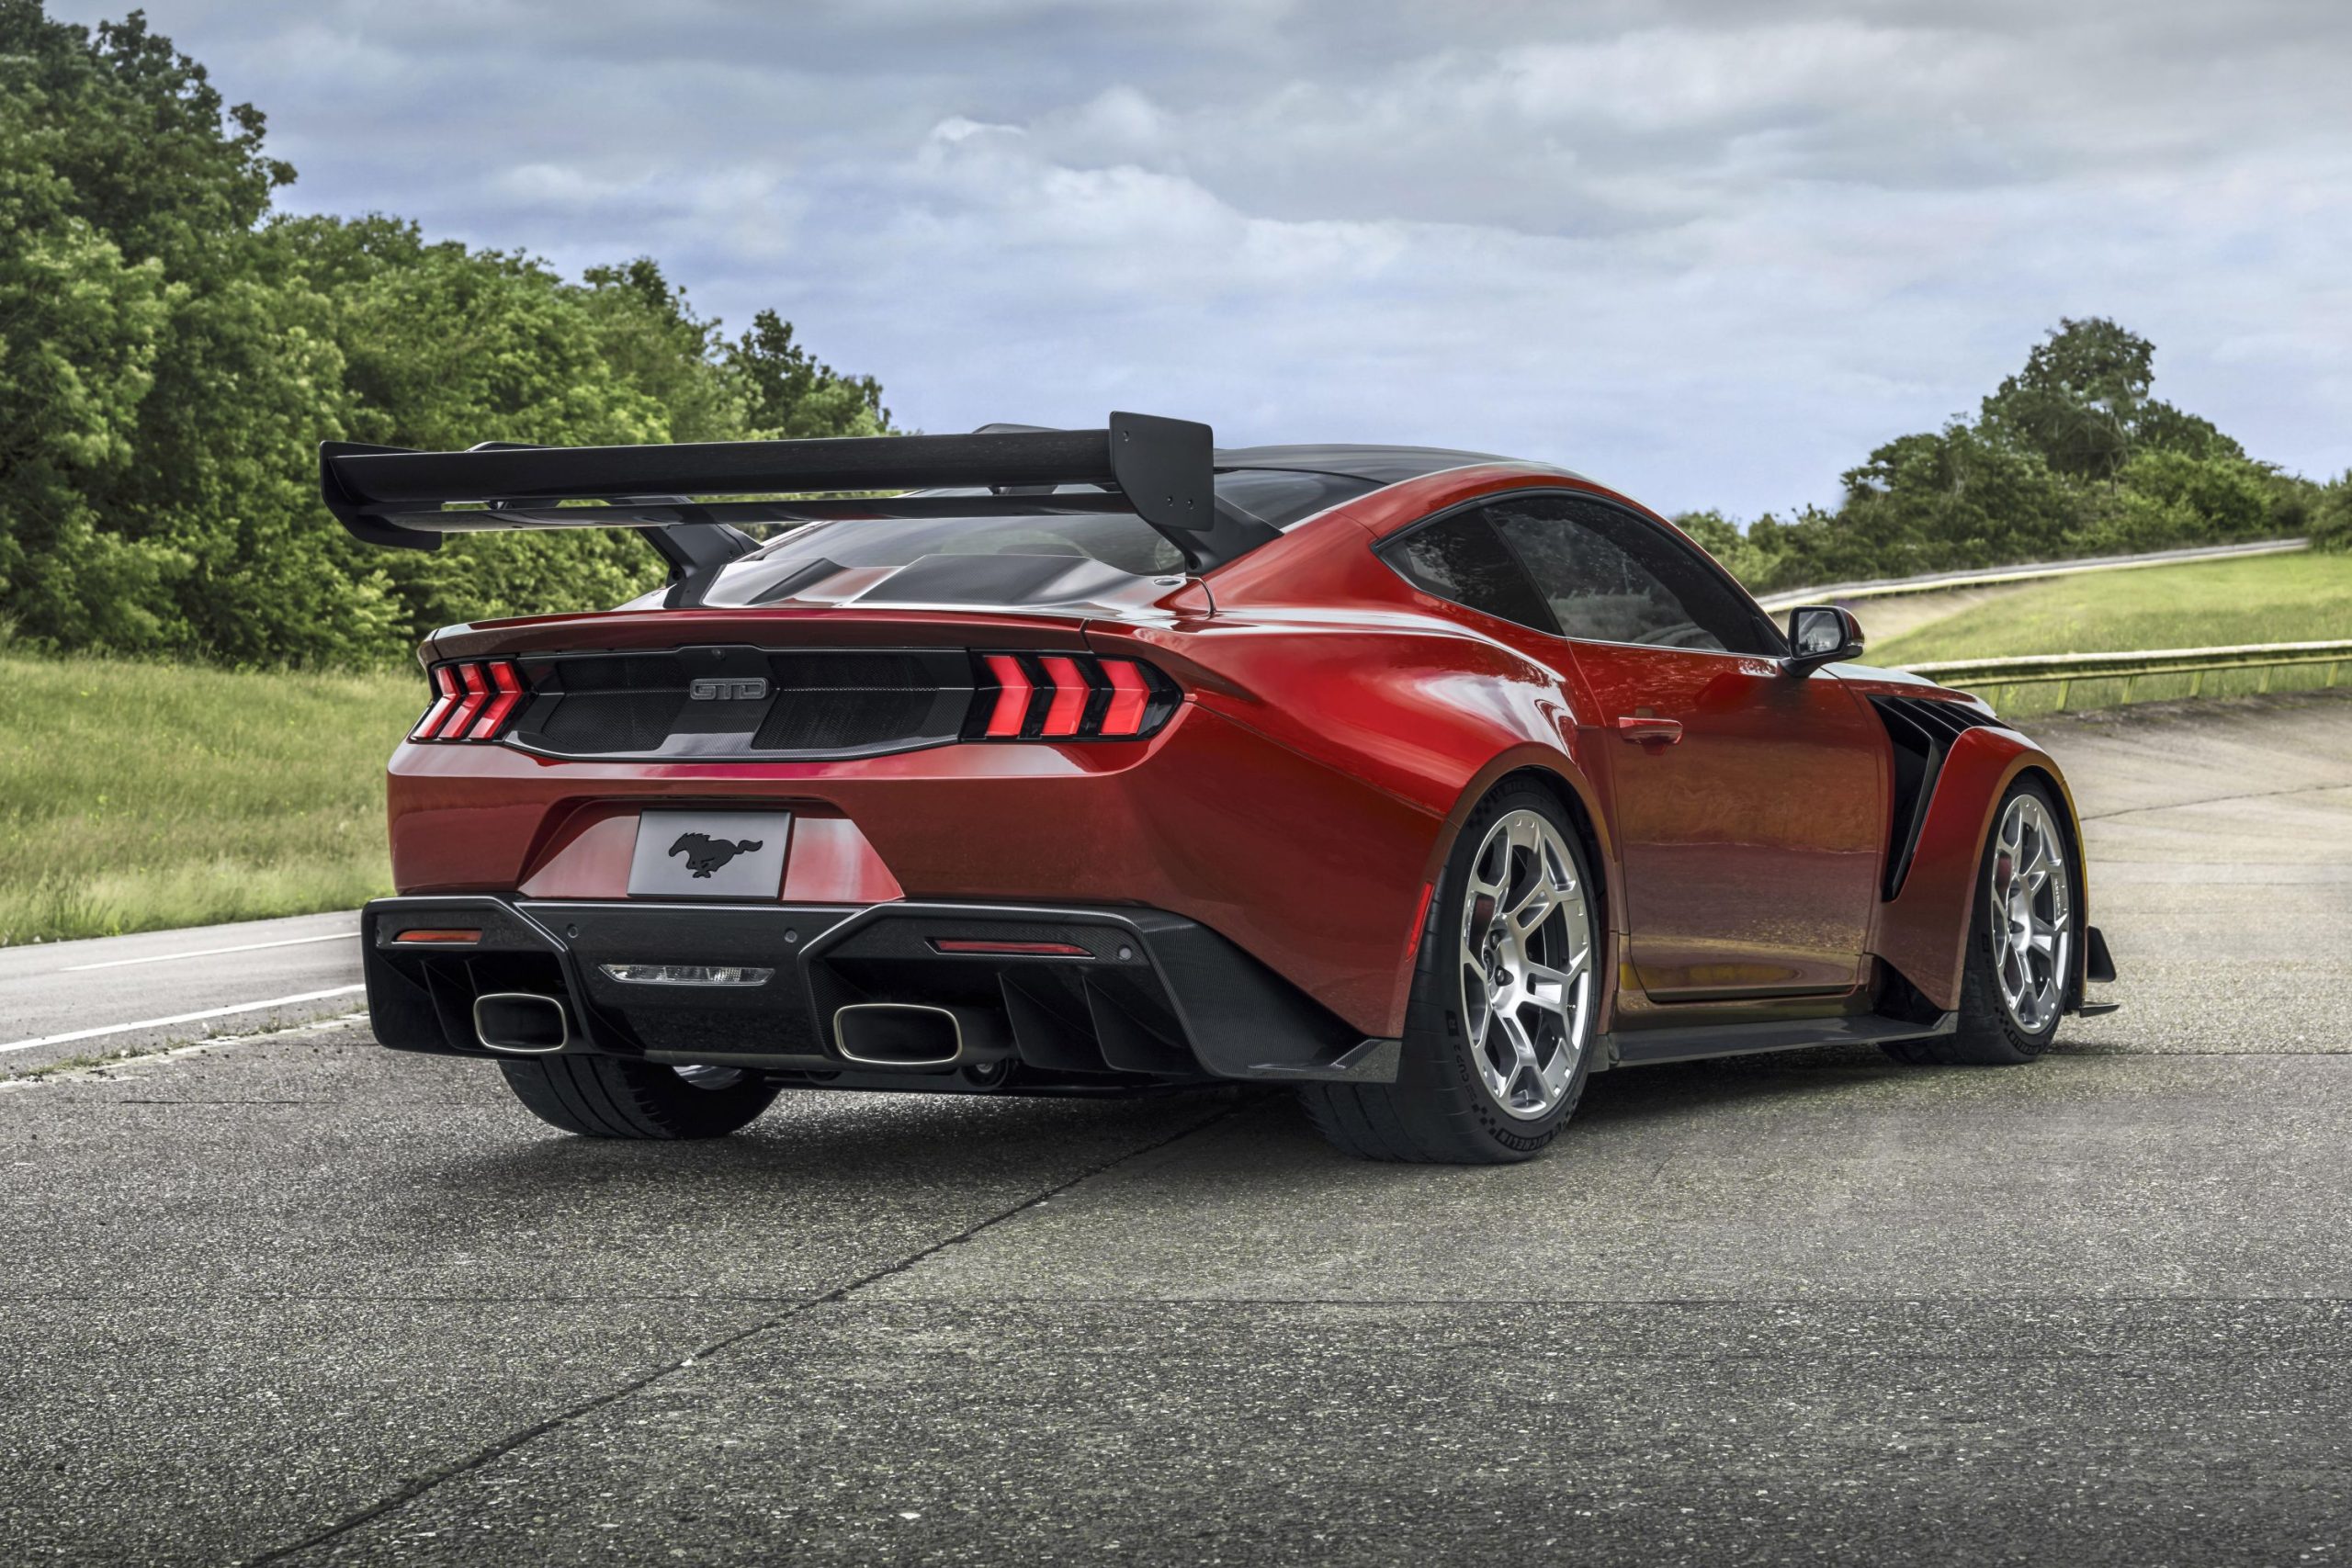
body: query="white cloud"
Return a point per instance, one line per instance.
(1713, 250)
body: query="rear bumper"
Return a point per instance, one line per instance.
(1147, 997)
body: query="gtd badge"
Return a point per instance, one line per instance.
(710, 690)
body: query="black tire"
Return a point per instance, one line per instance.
(607, 1097)
(1988, 1035)
(1440, 1111)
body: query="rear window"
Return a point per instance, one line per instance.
(1116, 539)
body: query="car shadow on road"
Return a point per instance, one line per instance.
(814, 1145)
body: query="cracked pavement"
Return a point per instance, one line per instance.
(294, 1298)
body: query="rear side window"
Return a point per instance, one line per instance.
(1609, 576)
(1459, 557)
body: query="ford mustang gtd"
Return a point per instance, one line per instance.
(1039, 762)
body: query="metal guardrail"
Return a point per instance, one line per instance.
(1990, 677)
(1934, 583)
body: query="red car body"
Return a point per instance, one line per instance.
(1336, 724)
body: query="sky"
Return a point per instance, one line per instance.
(1711, 252)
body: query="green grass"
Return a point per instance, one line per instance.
(143, 796)
(2297, 598)
(2293, 598)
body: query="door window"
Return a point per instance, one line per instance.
(1610, 576)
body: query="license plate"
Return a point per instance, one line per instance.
(709, 854)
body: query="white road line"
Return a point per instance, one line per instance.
(210, 952)
(179, 1018)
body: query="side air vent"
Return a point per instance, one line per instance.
(1923, 730)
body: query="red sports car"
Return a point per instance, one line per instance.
(1092, 762)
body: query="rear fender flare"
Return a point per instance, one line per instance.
(1559, 772)
(1923, 931)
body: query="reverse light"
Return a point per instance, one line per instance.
(686, 974)
(1068, 696)
(472, 700)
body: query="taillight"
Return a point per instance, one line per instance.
(445, 697)
(1010, 705)
(508, 688)
(1067, 696)
(472, 700)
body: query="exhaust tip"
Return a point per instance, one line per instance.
(898, 1034)
(522, 1022)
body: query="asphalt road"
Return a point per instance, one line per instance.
(74, 1002)
(295, 1299)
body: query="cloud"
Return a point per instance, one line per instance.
(1713, 250)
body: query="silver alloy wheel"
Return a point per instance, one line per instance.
(711, 1075)
(1526, 963)
(2030, 903)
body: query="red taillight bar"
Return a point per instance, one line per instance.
(1070, 691)
(468, 676)
(445, 697)
(450, 935)
(1130, 696)
(1011, 696)
(472, 700)
(1068, 696)
(510, 690)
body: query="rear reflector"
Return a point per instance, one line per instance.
(438, 935)
(1068, 696)
(1015, 949)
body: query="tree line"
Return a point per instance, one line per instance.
(2072, 456)
(172, 350)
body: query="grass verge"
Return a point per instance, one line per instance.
(145, 797)
(2294, 598)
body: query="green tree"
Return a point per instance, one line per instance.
(170, 355)
(789, 394)
(2331, 523)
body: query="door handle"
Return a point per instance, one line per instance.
(1646, 730)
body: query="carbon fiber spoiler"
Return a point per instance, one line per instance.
(1162, 470)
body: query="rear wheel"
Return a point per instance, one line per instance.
(2022, 939)
(1499, 1029)
(607, 1097)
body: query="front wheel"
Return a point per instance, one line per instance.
(607, 1097)
(1498, 1032)
(2021, 936)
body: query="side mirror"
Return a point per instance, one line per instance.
(1819, 635)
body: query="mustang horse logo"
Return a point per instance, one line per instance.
(705, 854)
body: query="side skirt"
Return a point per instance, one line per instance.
(1641, 1047)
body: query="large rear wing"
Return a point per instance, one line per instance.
(1163, 470)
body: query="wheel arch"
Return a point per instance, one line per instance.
(1558, 775)
(1922, 931)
